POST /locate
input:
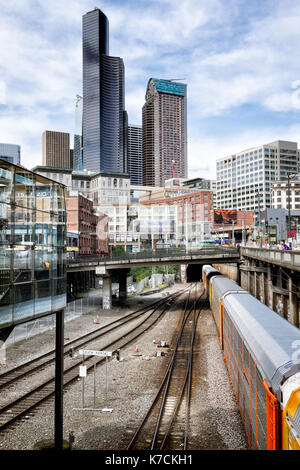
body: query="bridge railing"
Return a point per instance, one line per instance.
(150, 254)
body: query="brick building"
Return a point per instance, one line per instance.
(186, 216)
(90, 227)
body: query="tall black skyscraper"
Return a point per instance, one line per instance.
(104, 136)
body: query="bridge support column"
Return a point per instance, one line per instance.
(183, 272)
(293, 303)
(106, 293)
(255, 284)
(122, 275)
(270, 295)
(249, 280)
(262, 296)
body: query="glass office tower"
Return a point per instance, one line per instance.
(32, 245)
(103, 98)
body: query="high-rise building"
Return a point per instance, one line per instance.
(78, 146)
(11, 153)
(104, 140)
(134, 154)
(164, 132)
(56, 149)
(244, 180)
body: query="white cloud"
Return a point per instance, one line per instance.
(226, 64)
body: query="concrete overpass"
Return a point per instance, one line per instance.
(153, 258)
(82, 271)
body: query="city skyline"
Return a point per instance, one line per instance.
(236, 59)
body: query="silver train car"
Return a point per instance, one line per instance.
(261, 350)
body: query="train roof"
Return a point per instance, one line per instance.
(270, 338)
(208, 269)
(222, 285)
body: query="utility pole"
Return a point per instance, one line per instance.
(259, 227)
(186, 227)
(289, 206)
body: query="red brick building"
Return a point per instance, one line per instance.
(90, 227)
(198, 204)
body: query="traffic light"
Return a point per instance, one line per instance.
(118, 354)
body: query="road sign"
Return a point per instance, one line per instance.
(90, 352)
(82, 371)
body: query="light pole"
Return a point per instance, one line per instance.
(289, 204)
(259, 227)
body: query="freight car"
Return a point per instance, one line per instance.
(262, 354)
(207, 272)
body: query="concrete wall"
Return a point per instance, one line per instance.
(229, 270)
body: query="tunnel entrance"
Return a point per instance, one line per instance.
(194, 272)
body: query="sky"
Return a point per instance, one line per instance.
(239, 59)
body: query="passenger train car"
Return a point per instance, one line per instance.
(262, 354)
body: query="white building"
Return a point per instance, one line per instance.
(280, 193)
(245, 179)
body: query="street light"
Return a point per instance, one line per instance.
(289, 203)
(259, 227)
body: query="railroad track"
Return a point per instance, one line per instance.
(166, 423)
(25, 404)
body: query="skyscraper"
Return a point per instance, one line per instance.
(164, 132)
(104, 142)
(56, 149)
(134, 154)
(10, 153)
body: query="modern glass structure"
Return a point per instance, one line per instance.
(32, 245)
(104, 143)
(164, 132)
(11, 153)
(78, 145)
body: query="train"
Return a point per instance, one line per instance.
(261, 351)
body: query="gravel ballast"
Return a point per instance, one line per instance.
(215, 422)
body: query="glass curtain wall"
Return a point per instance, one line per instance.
(32, 245)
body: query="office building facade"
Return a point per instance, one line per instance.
(32, 245)
(135, 155)
(11, 153)
(164, 132)
(104, 116)
(245, 180)
(280, 193)
(56, 149)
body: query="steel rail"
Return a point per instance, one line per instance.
(162, 384)
(20, 372)
(165, 383)
(71, 374)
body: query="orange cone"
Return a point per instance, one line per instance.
(97, 319)
(136, 349)
(118, 311)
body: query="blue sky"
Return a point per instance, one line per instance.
(240, 60)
